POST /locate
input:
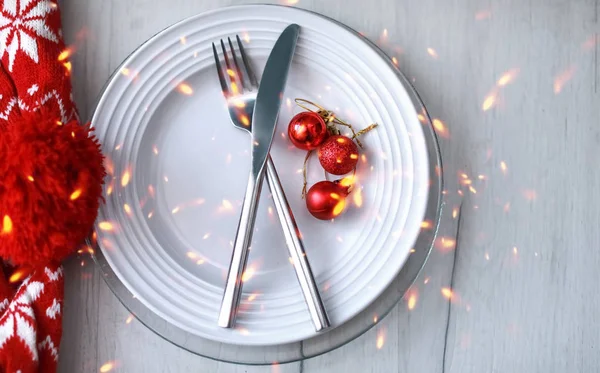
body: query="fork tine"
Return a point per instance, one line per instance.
(234, 88)
(222, 80)
(249, 71)
(238, 71)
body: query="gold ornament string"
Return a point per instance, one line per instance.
(308, 154)
(332, 122)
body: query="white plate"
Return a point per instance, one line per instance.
(170, 244)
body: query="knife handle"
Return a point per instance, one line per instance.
(239, 257)
(296, 251)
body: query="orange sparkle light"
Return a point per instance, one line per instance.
(185, 89)
(191, 255)
(248, 274)
(507, 77)
(200, 261)
(108, 366)
(7, 225)
(454, 212)
(395, 61)
(183, 40)
(515, 250)
(590, 42)
(243, 331)
(109, 188)
(375, 319)
(150, 214)
(421, 118)
(447, 293)
(252, 296)
(426, 281)
(110, 167)
(155, 149)
(530, 194)
(106, 226)
(65, 54)
(489, 101)
(561, 79)
(125, 71)
(412, 300)
(503, 167)
(426, 224)
(245, 120)
(68, 66)
(175, 210)
(234, 88)
(76, 194)
(348, 181)
(151, 191)
(270, 210)
(239, 104)
(380, 340)
(227, 205)
(432, 53)
(129, 319)
(17, 276)
(231, 73)
(472, 190)
(86, 249)
(445, 244)
(30, 178)
(246, 37)
(441, 128)
(484, 14)
(126, 178)
(339, 207)
(357, 197)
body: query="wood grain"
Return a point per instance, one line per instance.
(525, 295)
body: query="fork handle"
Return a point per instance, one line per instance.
(296, 251)
(239, 257)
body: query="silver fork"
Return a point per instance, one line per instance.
(240, 89)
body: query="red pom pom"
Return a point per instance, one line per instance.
(50, 188)
(338, 155)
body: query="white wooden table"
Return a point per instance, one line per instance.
(525, 272)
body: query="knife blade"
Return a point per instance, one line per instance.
(270, 95)
(264, 121)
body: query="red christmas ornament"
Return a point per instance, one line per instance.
(307, 130)
(326, 199)
(338, 155)
(50, 188)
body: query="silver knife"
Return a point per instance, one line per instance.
(264, 121)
